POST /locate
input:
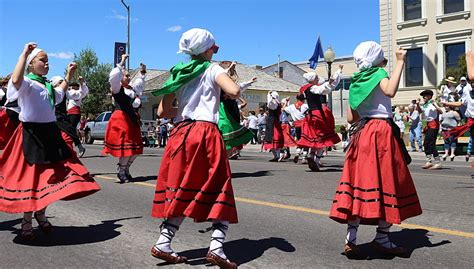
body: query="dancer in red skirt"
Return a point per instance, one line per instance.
(297, 112)
(36, 167)
(123, 138)
(318, 129)
(274, 140)
(8, 114)
(194, 179)
(376, 186)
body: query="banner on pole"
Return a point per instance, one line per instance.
(317, 54)
(120, 49)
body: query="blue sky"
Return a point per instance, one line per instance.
(248, 31)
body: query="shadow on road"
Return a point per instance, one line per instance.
(144, 179)
(411, 239)
(68, 235)
(240, 251)
(264, 173)
(93, 156)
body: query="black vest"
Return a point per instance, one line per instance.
(313, 100)
(124, 102)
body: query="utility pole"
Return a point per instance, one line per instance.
(128, 33)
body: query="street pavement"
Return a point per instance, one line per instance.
(283, 220)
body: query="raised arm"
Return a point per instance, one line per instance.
(389, 87)
(330, 85)
(166, 108)
(138, 84)
(245, 85)
(228, 86)
(470, 65)
(116, 75)
(19, 71)
(71, 68)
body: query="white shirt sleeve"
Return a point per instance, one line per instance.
(13, 92)
(327, 87)
(271, 102)
(136, 102)
(73, 94)
(115, 79)
(59, 94)
(303, 108)
(2, 93)
(84, 90)
(138, 84)
(244, 86)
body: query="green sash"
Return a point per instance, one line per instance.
(181, 74)
(363, 83)
(49, 87)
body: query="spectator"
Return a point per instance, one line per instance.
(82, 126)
(449, 119)
(253, 126)
(345, 136)
(398, 119)
(261, 122)
(448, 91)
(163, 132)
(414, 120)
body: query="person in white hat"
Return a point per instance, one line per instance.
(448, 91)
(376, 187)
(318, 129)
(37, 167)
(194, 179)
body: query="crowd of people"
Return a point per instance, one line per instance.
(38, 164)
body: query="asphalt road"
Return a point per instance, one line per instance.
(283, 221)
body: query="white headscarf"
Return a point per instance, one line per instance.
(31, 57)
(310, 76)
(275, 95)
(195, 41)
(368, 54)
(55, 80)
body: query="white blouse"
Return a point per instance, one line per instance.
(75, 96)
(376, 105)
(33, 101)
(199, 99)
(115, 80)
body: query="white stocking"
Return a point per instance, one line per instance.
(219, 230)
(167, 233)
(352, 227)
(382, 235)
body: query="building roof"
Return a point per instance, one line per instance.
(285, 61)
(150, 74)
(264, 82)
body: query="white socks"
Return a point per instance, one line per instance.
(167, 233)
(219, 230)
(352, 227)
(382, 235)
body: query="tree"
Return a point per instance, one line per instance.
(97, 79)
(460, 70)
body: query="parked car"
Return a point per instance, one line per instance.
(95, 130)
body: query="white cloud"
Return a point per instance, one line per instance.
(62, 55)
(175, 28)
(118, 16)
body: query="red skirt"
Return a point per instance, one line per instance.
(74, 110)
(298, 123)
(289, 140)
(123, 137)
(69, 141)
(26, 188)
(278, 139)
(459, 130)
(318, 130)
(7, 128)
(375, 183)
(194, 179)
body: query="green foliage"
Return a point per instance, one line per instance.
(459, 71)
(97, 79)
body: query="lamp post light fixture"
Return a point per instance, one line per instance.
(128, 33)
(329, 57)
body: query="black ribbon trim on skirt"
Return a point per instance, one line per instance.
(377, 189)
(46, 187)
(194, 190)
(181, 125)
(122, 146)
(355, 129)
(49, 193)
(317, 139)
(374, 200)
(43, 144)
(194, 200)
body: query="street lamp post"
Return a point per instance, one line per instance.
(329, 57)
(128, 33)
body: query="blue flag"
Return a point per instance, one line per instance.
(318, 53)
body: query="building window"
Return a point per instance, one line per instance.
(414, 68)
(452, 6)
(411, 10)
(452, 53)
